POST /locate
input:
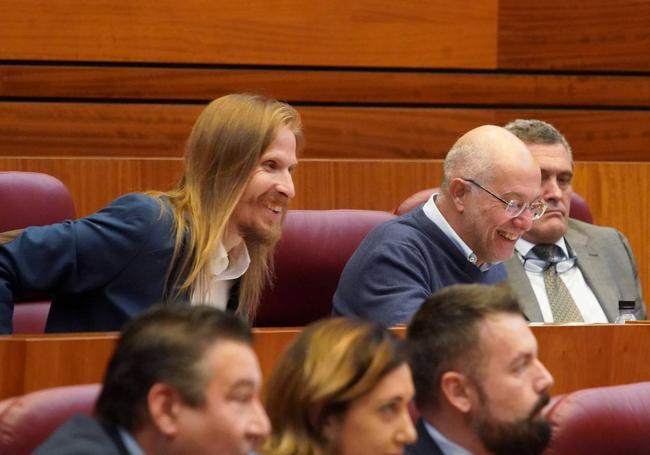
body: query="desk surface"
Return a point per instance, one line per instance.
(577, 356)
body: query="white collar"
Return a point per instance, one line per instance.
(225, 266)
(433, 213)
(523, 247)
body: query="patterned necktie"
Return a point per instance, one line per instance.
(563, 306)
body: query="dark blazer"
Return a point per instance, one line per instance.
(83, 435)
(606, 262)
(101, 270)
(425, 445)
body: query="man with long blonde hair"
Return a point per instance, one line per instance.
(211, 238)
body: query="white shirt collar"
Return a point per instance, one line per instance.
(446, 446)
(130, 443)
(523, 247)
(226, 266)
(433, 213)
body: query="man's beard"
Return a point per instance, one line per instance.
(528, 436)
(253, 234)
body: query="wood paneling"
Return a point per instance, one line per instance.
(378, 33)
(160, 130)
(593, 35)
(323, 86)
(577, 356)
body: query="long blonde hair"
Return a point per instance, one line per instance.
(332, 363)
(222, 151)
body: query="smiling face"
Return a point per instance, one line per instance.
(511, 388)
(259, 213)
(378, 423)
(490, 232)
(557, 174)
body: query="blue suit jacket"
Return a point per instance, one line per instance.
(101, 270)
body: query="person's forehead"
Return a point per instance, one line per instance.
(551, 157)
(230, 363)
(504, 336)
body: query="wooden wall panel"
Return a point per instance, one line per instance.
(323, 86)
(560, 35)
(377, 33)
(577, 356)
(160, 130)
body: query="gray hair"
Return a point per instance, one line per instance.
(534, 131)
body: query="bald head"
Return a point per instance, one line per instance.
(484, 153)
(485, 168)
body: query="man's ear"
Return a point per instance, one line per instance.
(164, 404)
(456, 388)
(458, 189)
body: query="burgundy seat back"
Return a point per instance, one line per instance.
(315, 246)
(32, 199)
(603, 420)
(579, 207)
(26, 421)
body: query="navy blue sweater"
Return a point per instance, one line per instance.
(398, 265)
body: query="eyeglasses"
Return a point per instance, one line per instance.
(540, 265)
(516, 208)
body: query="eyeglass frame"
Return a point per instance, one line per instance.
(508, 204)
(541, 265)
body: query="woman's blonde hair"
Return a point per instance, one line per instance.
(332, 363)
(223, 150)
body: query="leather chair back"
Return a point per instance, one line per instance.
(315, 246)
(32, 199)
(26, 421)
(603, 420)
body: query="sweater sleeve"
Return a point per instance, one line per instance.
(74, 256)
(387, 284)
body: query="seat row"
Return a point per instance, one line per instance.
(315, 246)
(611, 419)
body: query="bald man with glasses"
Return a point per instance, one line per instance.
(489, 197)
(564, 270)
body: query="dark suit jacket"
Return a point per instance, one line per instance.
(101, 270)
(83, 435)
(606, 262)
(425, 445)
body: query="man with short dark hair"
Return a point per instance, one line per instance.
(565, 270)
(479, 384)
(182, 380)
(488, 199)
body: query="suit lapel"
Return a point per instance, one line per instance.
(594, 270)
(522, 288)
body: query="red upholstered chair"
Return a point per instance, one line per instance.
(579, 207)
(26, 421)
(315, 246)
(32, 199)
(603, 420)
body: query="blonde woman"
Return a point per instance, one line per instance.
(342, 388)
(210, 239)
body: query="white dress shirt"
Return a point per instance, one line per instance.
(582, 294)
(433, 213)
(225, 268)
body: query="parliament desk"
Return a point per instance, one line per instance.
(577, 356)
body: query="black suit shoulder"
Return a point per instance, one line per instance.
(82, 435)
(425, 445)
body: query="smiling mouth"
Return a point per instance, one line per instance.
(508, 235)
(277, 209)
